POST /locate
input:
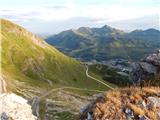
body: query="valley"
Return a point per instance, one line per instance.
(60, 87)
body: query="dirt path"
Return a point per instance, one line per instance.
(36, 100)
(97, 79)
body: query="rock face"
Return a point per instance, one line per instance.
(146, 69)
(14, 107)
(154, 59)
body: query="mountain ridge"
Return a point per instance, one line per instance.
(105, 43)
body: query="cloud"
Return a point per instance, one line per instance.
(114, 12)
(70, 14)
(151, 21)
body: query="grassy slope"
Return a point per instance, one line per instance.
(30, 63)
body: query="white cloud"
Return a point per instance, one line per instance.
(70, 10)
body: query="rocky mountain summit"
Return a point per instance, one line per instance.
(14, 107)
(147, 71)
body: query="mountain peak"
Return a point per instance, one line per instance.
(152, 30)
(84, 30)
(106, 27)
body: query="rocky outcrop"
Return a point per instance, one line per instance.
(147, 68)
(13, 107)
(154, 59)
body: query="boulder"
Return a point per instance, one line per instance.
(14, 107)
(145, 69)
(153, 59)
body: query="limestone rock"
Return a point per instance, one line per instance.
(14, 107)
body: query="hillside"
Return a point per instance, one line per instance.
(31, 68)
(27, 57)
(106, 43)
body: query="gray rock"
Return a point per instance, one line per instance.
(143, 117)
(4, 116)
(155, 101)
(129, 113)
(146, 68)
(89, 116)
(136, 73)
(154, 58)
(15, 108)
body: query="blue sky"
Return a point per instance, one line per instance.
(53, 16)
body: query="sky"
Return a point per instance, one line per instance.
(53, 16)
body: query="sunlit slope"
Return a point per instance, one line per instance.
(27, 59)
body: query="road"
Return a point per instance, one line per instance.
(97, 79)
(2, 85)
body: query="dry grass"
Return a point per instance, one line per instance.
(115, 102)
(137, 110)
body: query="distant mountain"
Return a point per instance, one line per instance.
(106, 43)
(148, 35)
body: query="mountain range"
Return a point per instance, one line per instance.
(106, 43)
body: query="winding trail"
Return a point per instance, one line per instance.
(97, 79)
(36, 100)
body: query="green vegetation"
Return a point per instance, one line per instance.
(106, 43)
(27, 58)
(110, 75)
